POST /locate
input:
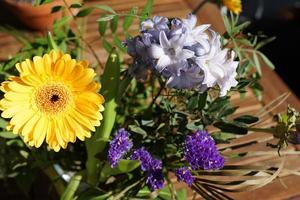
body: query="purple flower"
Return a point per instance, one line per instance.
(185, 175)
(144, 157)
(155, 180)
(119, 146)
(201, 152)
(150, 165)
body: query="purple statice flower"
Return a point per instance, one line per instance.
(118, 147)
(152, 166)
(201, 152)
(185, 175)
(155, 180)
(144, 157)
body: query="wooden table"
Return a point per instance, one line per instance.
(287, 186)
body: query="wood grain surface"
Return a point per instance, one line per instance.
(287, 186)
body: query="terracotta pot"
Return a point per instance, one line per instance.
(37, 18)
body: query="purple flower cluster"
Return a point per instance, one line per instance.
(152, 166)
(119, 146)
(184, 174)
(200, 151)
(187, 56)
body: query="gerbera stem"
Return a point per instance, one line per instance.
(58, 183)
(95, 145)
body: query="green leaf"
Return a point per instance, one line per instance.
(137, 129)
(84, 12)
(256, 63)
(56, 9)
(8, 135)
(114, 24)
(102, 27)
(165, 194)
(264, 42)
(3, 123)
(124, 166)
(202, 100)
(231, 128)
(61, 22)
(147, 10)
(106, 45)
(181, 194)
(193, 102)
(267, 61)
(119, 44)
(52, 44)
(143, 192)
(105, 18)
(248, 119)
(75, 5)
(105, 8)
(128, 19)
(72, 187)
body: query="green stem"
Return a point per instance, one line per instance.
(57, 182)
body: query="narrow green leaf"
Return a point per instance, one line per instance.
(256, 63)
(231, 128)
(106, 45)
(84, 12)
(147, 10)
(8, 135)
(72, 187)
(105, 8)
(202, 100)
(56, 9)
(114, 24)
(61, 22)
(102, 27)
(248, 119)
(128, 19)
(264, 42)
(52, 44)
(75, 5)
(105, 18)
(267, 61)
(119, 44)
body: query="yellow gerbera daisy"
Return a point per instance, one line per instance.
(55, 98)
(234, 5)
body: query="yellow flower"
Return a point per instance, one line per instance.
(54, 99)
(234, 5)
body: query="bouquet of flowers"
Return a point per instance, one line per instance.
(156, 116)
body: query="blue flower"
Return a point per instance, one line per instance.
(201, 152)
(184, 174)
(118, 147)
